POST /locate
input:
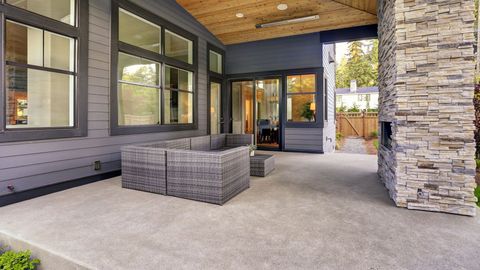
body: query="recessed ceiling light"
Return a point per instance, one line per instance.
(282, 7)
(239, 15)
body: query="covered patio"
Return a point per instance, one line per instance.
(313, 212)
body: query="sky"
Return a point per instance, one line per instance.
(341, 50)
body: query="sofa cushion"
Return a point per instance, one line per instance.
(201, 143)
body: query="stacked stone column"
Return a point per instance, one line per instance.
(426, 86)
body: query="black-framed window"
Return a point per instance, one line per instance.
(44, 69)
(215, 62)
(154, 82)
(216, 97)
(301, 98)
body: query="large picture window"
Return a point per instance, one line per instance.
(301, 96)
(45, 86)
(153, 87)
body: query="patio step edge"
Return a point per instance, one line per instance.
(49, 259)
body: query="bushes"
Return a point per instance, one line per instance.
(375, 143)
(22, 260)
(338, 141)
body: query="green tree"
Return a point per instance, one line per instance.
(359, 64)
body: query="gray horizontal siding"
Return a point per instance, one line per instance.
(32, 164)
(329, 138)
(303, 51)
(304, 139)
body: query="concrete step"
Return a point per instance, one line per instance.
(49, 260)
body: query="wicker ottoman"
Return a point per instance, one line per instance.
(261, 165)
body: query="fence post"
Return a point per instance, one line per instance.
(363, 122)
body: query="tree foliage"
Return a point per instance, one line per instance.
(359, 64)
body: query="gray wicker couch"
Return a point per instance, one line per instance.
(208, 168)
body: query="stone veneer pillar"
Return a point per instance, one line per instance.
(426, 92)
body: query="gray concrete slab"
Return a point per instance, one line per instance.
(312, 212)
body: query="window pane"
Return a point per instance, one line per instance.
(61, 10)
(33, 46)
(242, 107)
(139, 32)
(301, 108)
(178, 79)
(138, 105)
(178, 107)
(38, 98)
(215, 107)
(178, 47)
(301, 83)
(215, 62)
(138, 70)
(59, 51)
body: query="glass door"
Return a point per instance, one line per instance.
(268, 113)
(242, 107)
(215, 107)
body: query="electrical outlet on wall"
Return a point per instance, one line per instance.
(97, 165)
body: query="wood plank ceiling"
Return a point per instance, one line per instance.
(219, 16)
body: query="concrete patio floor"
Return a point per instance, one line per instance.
(312, 212)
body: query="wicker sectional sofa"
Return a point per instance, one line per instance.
(208, 168)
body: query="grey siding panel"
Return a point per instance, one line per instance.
(306, 139)
(329, 139)
(303, 51)
(32, 164)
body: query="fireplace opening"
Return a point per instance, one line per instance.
(386, 134)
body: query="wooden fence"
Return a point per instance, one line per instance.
(360, 124)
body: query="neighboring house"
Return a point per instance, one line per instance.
(362, 98)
